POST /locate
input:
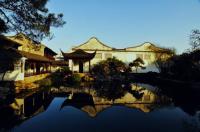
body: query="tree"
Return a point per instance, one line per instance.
(186, 66)
(162, 59)
(30, 17)
(137, 63)
(195, 39)
(109, 68)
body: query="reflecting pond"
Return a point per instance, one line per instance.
(101, 107)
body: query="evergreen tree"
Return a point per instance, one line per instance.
(30, 17)
(137, 63)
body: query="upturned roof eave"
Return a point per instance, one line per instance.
(78, 54)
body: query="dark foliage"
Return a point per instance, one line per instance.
(109, 68)
(58, 77)
(137, 63)
(185, 66)
(195, 39)
(30, 17)
(110, 90)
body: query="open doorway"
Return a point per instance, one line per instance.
(80, 67)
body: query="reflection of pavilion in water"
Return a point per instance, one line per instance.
(88, 101)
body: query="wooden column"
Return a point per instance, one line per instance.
(34, 68)
(46, 67)
(22, 67)
(89, 66)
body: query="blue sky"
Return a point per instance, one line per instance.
(125, 23)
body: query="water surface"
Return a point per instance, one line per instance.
(107, 108)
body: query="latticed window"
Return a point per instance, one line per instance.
(108, 55)
(98, 56)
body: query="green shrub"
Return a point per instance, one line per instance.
(74, 79)
(110, 67)
(66, 70)
(57, 78)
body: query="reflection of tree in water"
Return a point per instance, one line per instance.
(191, 125)
(110, 90)
(137, 93)
(115, 90)
(9, 119)
(183, 96)
(7, 93)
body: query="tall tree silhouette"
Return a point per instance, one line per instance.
(195, 39)
(30, 17)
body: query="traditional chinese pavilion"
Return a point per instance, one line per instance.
(81, 58)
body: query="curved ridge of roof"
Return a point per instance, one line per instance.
(93, 38)
(141, 45)
(151, 47)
